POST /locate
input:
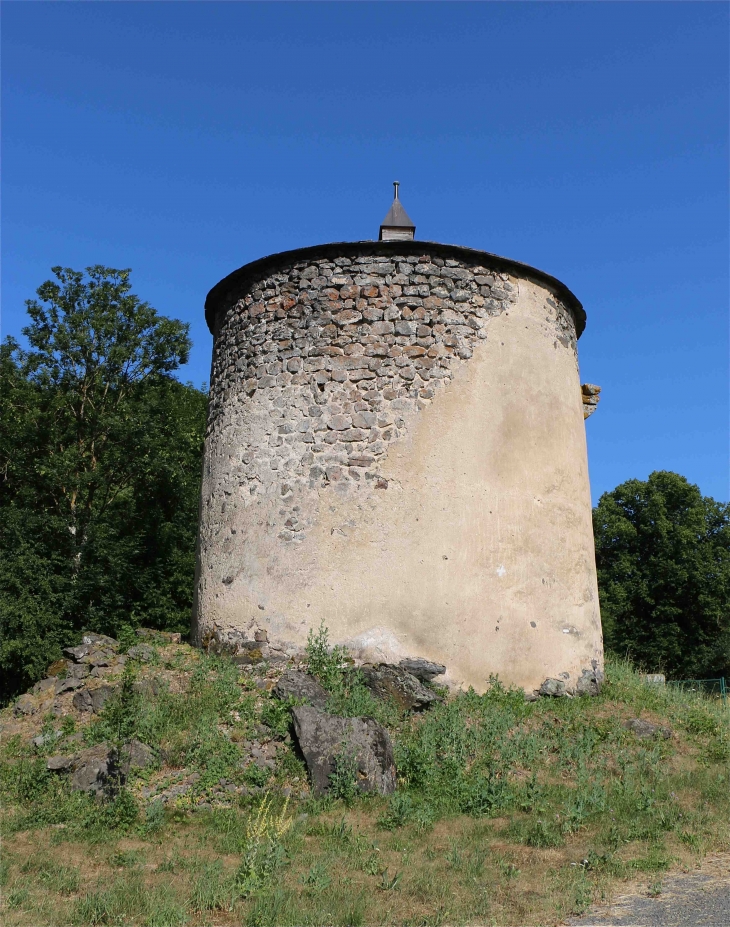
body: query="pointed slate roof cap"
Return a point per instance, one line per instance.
(397, 219)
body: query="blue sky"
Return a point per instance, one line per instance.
(588, 139)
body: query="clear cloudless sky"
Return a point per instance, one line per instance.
(587, 139)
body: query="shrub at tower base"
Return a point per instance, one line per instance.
(663, 557)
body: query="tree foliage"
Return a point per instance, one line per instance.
(663, 558)
(100, 452)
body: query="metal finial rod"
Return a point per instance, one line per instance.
(396, 184)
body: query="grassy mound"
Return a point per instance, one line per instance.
(506, 812)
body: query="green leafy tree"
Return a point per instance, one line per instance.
(93, 346)
(100, 451)
(663, 558)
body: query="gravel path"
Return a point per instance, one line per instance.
(699, 899)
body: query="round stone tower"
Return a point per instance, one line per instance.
(396, 448)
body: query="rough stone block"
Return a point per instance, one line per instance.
(394, 682)
(323, 738)
(93, 699)
(645, 729)
(142, 652)
(298, 685)
(96, 770)
(68, 684)
(554, 688)
(136, 755)
(382, 328)
(77, 653)
(60, 764)
(100, 641)
(590, 682)
(422, 669)
(25, 706)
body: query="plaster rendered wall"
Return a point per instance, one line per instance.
(396, 446)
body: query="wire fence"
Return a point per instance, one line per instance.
(712, 688)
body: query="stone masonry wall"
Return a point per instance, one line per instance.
(319, 368)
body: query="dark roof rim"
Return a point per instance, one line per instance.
(221, 292)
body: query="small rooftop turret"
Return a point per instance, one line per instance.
(397, 226)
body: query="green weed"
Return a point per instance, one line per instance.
(276, 714)
(325, 662)
(388, 882)
(718, 749)
(63, 880)
(340, 832)
(371, 864)
(128, 901)
(400, 811)
(699, 719)
(126, 859)
(119, 719)
(507, 869)
(317, 878)
(213, 889)
(343, 778)
(256, 775)
(539, 833)
(16, 897)
(154, 818)
(4, 870)
(656, 860)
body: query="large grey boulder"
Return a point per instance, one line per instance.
(142, 652)
(136, 755)
(45, 685)
(323, 737)
(24, 706)
(93, 699)
(94, 649)
(553, 688)
(68, 684)
(301, 686)
(97, 770)
(422, 669)
(60, 764)
(590, 682)
(644, 729)
(100, 769)
(100, 641)
(387, 681)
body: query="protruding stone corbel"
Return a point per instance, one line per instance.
(591, 398)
